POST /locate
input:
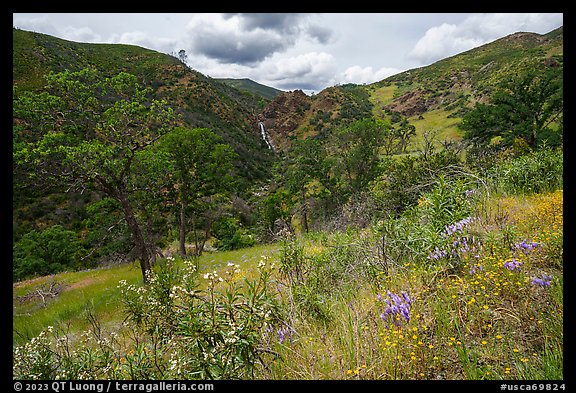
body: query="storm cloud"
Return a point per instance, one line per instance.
(248, 39)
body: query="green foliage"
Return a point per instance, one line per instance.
(354, 154)
(44, 252)
(230, 235)
(536, 172)
(178, 331)
(529, 106)
(107, 235)
(405, 178)
(102, 127)
(446, 203)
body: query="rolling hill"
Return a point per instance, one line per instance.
(201, 100)
(250, 86)
(430, 97)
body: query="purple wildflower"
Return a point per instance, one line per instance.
(396, 306)
(437, 254)
(283, 332)
(469, 193)
(544, 281)
(473, 269)
(526, 247)
(513, 265)
(457, 226)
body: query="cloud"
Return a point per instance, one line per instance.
(248, 39)
(145, 40)
(359, 75)
(281, 23)
(450, 39)
(309, 71)
(321, 34)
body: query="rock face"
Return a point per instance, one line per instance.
(283, 115)
(412, 103)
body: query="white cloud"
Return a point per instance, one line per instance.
(449, 39)
(241, 39)
(80, 34)
(359, 75)
(139, 38)
(37, 24)
(308, 71)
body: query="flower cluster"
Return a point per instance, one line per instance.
(513, 265)
(264, 264)
(437, 254)
(457, 226)
(397, 308)
(475, 269)
(544, 281)
(525, 247)
(212, 278)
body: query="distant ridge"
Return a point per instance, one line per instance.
(248, 85)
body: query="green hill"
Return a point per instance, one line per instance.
(202, 101)
(248, 85)
(431, 97)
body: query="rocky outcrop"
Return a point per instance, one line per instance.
(283, 115)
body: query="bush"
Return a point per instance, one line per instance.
(537, 172)
(44, 252)
(176, 331)
(230, 235)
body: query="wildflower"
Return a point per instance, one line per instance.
(437, 254)
(397, 307)
(456, 227)
(513, 265)
(525, 247)
(544, 281)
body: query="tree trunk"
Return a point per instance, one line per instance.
(304, 211)
(183, 226)
(139, 243)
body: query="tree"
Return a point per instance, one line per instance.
(306, 175)
(47, 251)
(355, 152)
(526, 106)
(93, 133)
(202, 166)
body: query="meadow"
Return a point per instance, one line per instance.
(481, 298)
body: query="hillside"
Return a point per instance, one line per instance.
(249, 86)
(202, 101)
(431, 97)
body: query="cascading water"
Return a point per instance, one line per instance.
(264, 135)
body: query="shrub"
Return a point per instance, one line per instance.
(44, 252)
(536, 172)
(230, 235)
(176, 331)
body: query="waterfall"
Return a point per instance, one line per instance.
(264, 135)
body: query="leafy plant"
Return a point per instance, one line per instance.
(44, 252)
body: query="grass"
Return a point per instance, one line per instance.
(96, 291)
(483, 321)
(436, 120)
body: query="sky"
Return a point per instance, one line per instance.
(289, 51)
